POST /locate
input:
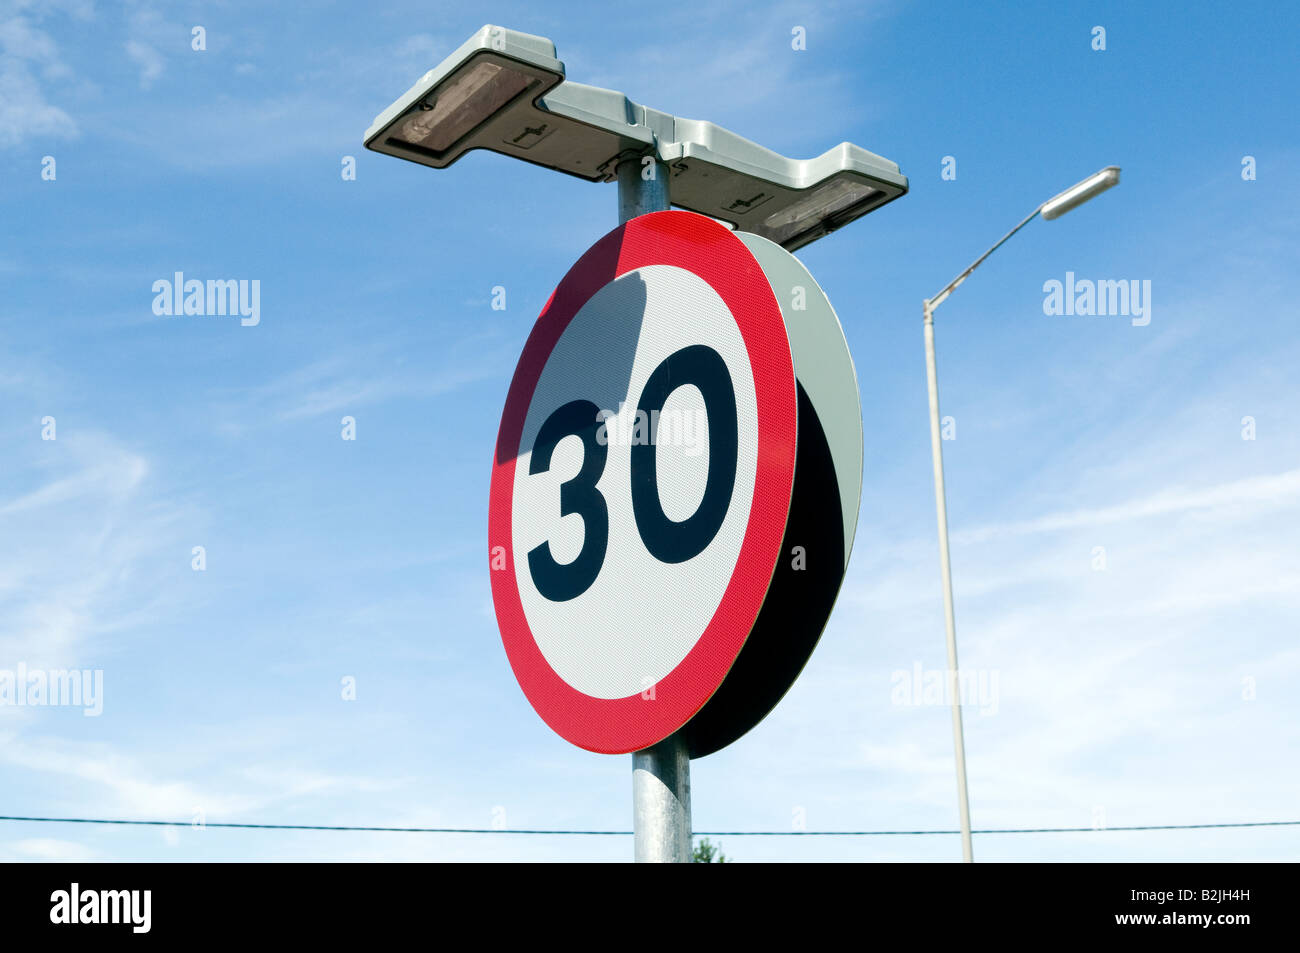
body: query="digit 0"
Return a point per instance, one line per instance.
(670, 541)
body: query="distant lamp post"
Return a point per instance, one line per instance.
(1054, 207)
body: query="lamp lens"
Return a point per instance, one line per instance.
(461, 105)
(835, 196)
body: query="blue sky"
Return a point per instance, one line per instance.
(1157, 690)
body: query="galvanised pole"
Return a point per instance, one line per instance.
(661, 774)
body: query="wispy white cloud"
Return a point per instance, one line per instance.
(1148, 688)
(341, 383)
(119, 784)
(86, 525)
(29, 62)
(148, 35)
(156, 787)
(1253, 493)
(47, 850)
(753, 75)
(148, 59)
(119, 474)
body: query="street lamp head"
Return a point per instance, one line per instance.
(1080, 192)
(505, 91)
(482, 96)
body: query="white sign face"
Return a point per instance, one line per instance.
(642, 481)
(662, 608)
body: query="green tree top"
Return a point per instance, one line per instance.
(706, 853)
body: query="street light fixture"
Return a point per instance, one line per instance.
(505, 91)
(1081, 192)
(1054, 207)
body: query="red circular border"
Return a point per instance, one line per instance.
(710, 251)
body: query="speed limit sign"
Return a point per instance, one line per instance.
(674, 488)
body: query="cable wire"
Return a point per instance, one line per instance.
(495, 830)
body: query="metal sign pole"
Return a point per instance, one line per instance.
(661, 774)
(661, 803)
(642, 187)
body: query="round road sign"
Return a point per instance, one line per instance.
(642, 487)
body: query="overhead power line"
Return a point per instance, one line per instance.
(516, 830)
